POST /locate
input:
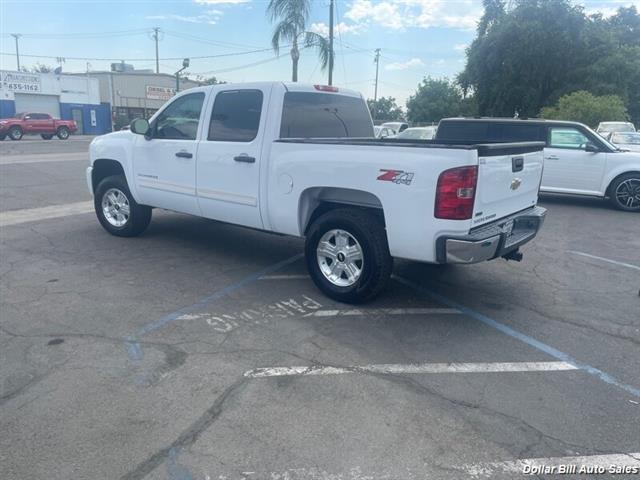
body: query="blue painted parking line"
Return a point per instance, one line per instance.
(605, 377)
(134, 350)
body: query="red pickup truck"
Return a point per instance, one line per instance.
(41, 123)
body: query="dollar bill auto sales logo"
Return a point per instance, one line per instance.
(396, 176)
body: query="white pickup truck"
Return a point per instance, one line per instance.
(301, 160)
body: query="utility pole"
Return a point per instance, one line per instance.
(155, 37)
(331, 43)
(377, 60)
(17, 36)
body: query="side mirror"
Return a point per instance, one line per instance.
(140, 126)
(591, 147)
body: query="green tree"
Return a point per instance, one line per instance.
(41, 68)
(208, 80)
(385, 108)
(434, 99)
(291, 17)
(530, 56)
(584, 107)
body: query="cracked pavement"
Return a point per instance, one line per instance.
(76, 403)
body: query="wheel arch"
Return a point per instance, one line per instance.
(607, 192)
(315, 201)
(103, 168)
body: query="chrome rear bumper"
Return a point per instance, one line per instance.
(496, 239)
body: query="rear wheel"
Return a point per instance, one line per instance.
(625, 192)
(47, 136)
(63, 133)
(3, 136)
(15, 133)
(348, 256)
(117, 211)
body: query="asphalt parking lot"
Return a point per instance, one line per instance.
(203, 351)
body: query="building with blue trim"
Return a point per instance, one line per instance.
(69, 97)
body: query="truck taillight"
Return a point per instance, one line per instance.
(456, 193)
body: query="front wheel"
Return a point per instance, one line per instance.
(625, 192)
(3, 136)
(63, 133)
(47, 136)
(15, 133)
(117, 211)
(348, 256)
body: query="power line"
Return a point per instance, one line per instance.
(217, 43)
(196, 57)
(84, 35)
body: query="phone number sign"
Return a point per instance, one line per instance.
(21, 82)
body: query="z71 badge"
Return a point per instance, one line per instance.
(396, 176)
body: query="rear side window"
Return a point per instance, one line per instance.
(514, 132)
(490, 132)
(236, 116)
(324, 115)
(477, 132)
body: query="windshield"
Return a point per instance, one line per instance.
(626, 138)
(601, 139)
(417, 133)
(616, 127)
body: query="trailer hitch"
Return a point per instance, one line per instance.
(515, 255)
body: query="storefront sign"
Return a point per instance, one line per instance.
(160, 93)
(21, 82)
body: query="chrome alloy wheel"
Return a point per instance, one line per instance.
(628, 193)
(115, 207)
(340, 258)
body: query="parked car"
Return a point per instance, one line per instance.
(40, 123)
(609, 127)
(383, 132)
(419, 133)
(629, 141)
(294, 160)
(397, 127)
(577, 160)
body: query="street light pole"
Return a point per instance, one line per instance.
(17, 36)
(185, 64)
(331, 43)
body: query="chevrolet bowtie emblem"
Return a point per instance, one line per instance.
(515, 183)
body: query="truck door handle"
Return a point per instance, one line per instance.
(184, 154)
(551, 157)
(245, 158)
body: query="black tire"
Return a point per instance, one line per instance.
(63, 133)
(139, 215)
(47, 136)
(15, 133)
(3, 136)
(624, 192)
(376, 265)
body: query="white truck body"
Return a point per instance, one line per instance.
(276, 184)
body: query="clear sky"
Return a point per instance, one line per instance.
(417, 38)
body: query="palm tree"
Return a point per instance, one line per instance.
(291, 17)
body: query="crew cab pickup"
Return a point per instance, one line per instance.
(577, 160)
(40, 123)
(302, 160)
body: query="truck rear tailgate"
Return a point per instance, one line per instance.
(508, 180)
